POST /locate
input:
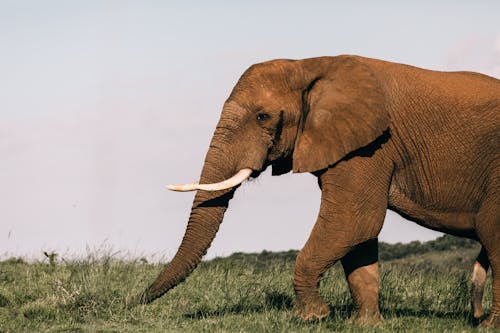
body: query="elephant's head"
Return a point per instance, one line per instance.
(303, 115)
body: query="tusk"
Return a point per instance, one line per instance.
(237, 179)
(183, 187)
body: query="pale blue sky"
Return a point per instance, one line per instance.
(104, 103)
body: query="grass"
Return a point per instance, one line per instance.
(428, 292)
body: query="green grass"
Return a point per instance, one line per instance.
(428, 292)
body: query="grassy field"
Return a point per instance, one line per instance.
(428, 292)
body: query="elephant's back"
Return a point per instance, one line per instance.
(445, 131)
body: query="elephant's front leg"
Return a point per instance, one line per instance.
(353, 206)
(361, 270)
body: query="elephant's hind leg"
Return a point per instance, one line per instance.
(488, 231)
(478, 280)
(361, 269)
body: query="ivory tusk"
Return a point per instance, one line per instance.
(237, 179)
(183, 187)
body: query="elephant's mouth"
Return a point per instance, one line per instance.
(256, 173)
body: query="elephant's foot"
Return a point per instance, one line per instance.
(367, 317)
(310, 308)
(493, 320)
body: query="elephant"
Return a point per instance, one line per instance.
(377, 135)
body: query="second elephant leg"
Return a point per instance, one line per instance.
(487, 228)
(478, 280)
(361, 270)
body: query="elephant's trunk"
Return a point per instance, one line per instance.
(206, 215)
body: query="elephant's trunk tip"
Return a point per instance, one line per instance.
(139, 299)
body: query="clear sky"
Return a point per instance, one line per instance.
(102, 103)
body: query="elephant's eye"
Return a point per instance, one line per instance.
(262, 116)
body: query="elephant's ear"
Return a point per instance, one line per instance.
(342, 111)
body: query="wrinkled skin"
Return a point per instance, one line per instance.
(377, 135)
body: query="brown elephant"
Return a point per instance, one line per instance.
(377, 135)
